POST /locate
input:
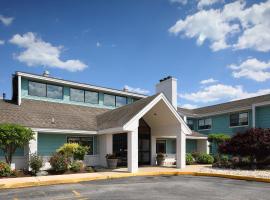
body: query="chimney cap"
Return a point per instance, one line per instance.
(46, 73)
(166, 78)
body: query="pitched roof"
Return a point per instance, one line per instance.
(196, 134)
(224, 107)
(39, 114)
(120, 116)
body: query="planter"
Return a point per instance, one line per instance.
(160, 162)
(112, 163)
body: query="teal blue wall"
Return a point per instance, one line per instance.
(221, 124)
(18, 152)
(191, 146)
(263, 117)
(49, 143)
(66, 97)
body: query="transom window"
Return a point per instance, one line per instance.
(76, 95)
(45, 90)
(91, 97)
(190, 124)
(205, 124)
(84, 96)
(239, 119)
(121, 101)
(84, 141)
(109, 100)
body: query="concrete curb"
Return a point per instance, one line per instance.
(37, 181)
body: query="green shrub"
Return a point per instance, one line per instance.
(189, 159)
(195, 155)
(90, 169)
(205, 159)
(224, 159)
(59, 163)
(36, 162)
(76, 166)
(5, 169)
(68, 149)
(80, 152)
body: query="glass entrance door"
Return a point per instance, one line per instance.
(144, 143)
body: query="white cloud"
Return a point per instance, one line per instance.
(2, 42)
(189, 106)
(203, 3)
(98, 44)
(207, 81)
(218, 25)
(183, 2)
(136, 90)
(252, 69)
(6, 20)
(40, 53)
(220, 92)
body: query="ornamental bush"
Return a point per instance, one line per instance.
(36, 162)
(59, 163)
(205, 158)
(253, 143)
(189, 159)
(5, 169)
(76, 166)
(80, 152)
(68, 149)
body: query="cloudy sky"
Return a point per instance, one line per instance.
(219, 50)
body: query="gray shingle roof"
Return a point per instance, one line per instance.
(224, 107)
(39, 114)
(196, 134)
(118, 117)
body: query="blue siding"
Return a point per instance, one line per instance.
(18, 152)
(191, 146)
(263, 117)
(49, 143)
(66, 97)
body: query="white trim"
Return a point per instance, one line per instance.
(195, 138)
(19, 99)
(81, 85)
(254, 111)
(161, 96)
(262, 104)
(69, 131)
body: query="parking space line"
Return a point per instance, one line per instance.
(77, 194)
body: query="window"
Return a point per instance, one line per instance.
(55, 92)
(190, 124)
(91, 97)
(45, 90)
(205, 124)
(109, 100)
(121, 101)
(37, 89)
(84, 141)
(76, 95)
(239, 119)
(161, 146)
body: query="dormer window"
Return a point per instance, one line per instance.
(45, 90)
(76, 95)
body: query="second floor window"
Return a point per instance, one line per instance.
(205, 124)
(239, 119)
(121, 101)
(76, 95)
(109, 100)
(45, 90)
(190, 124)
(91, 97)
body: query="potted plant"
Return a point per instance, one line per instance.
(160, 159)
(111, 161)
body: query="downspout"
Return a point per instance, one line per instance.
(19, 90)
(253, 116)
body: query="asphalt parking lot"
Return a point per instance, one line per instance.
(158, 187)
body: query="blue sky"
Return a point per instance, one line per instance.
(217, 49)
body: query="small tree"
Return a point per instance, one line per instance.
(12, 137)
(253, 143)
(217, 138)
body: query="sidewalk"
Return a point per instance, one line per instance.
(196, 170)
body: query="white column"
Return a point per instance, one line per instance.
(253, 116)
(133, 150)
(181, 150)
(33, 144)
(19, 90)
(153, 150)
(105, 147)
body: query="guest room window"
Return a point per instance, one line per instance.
(84, 141)
(121, 101)
(91, 97)
(239, 119)
(37, 89)
(190, 124)
(76, 95)
(161, 146)
(205, 124)
(109, 100)
(54, 91)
